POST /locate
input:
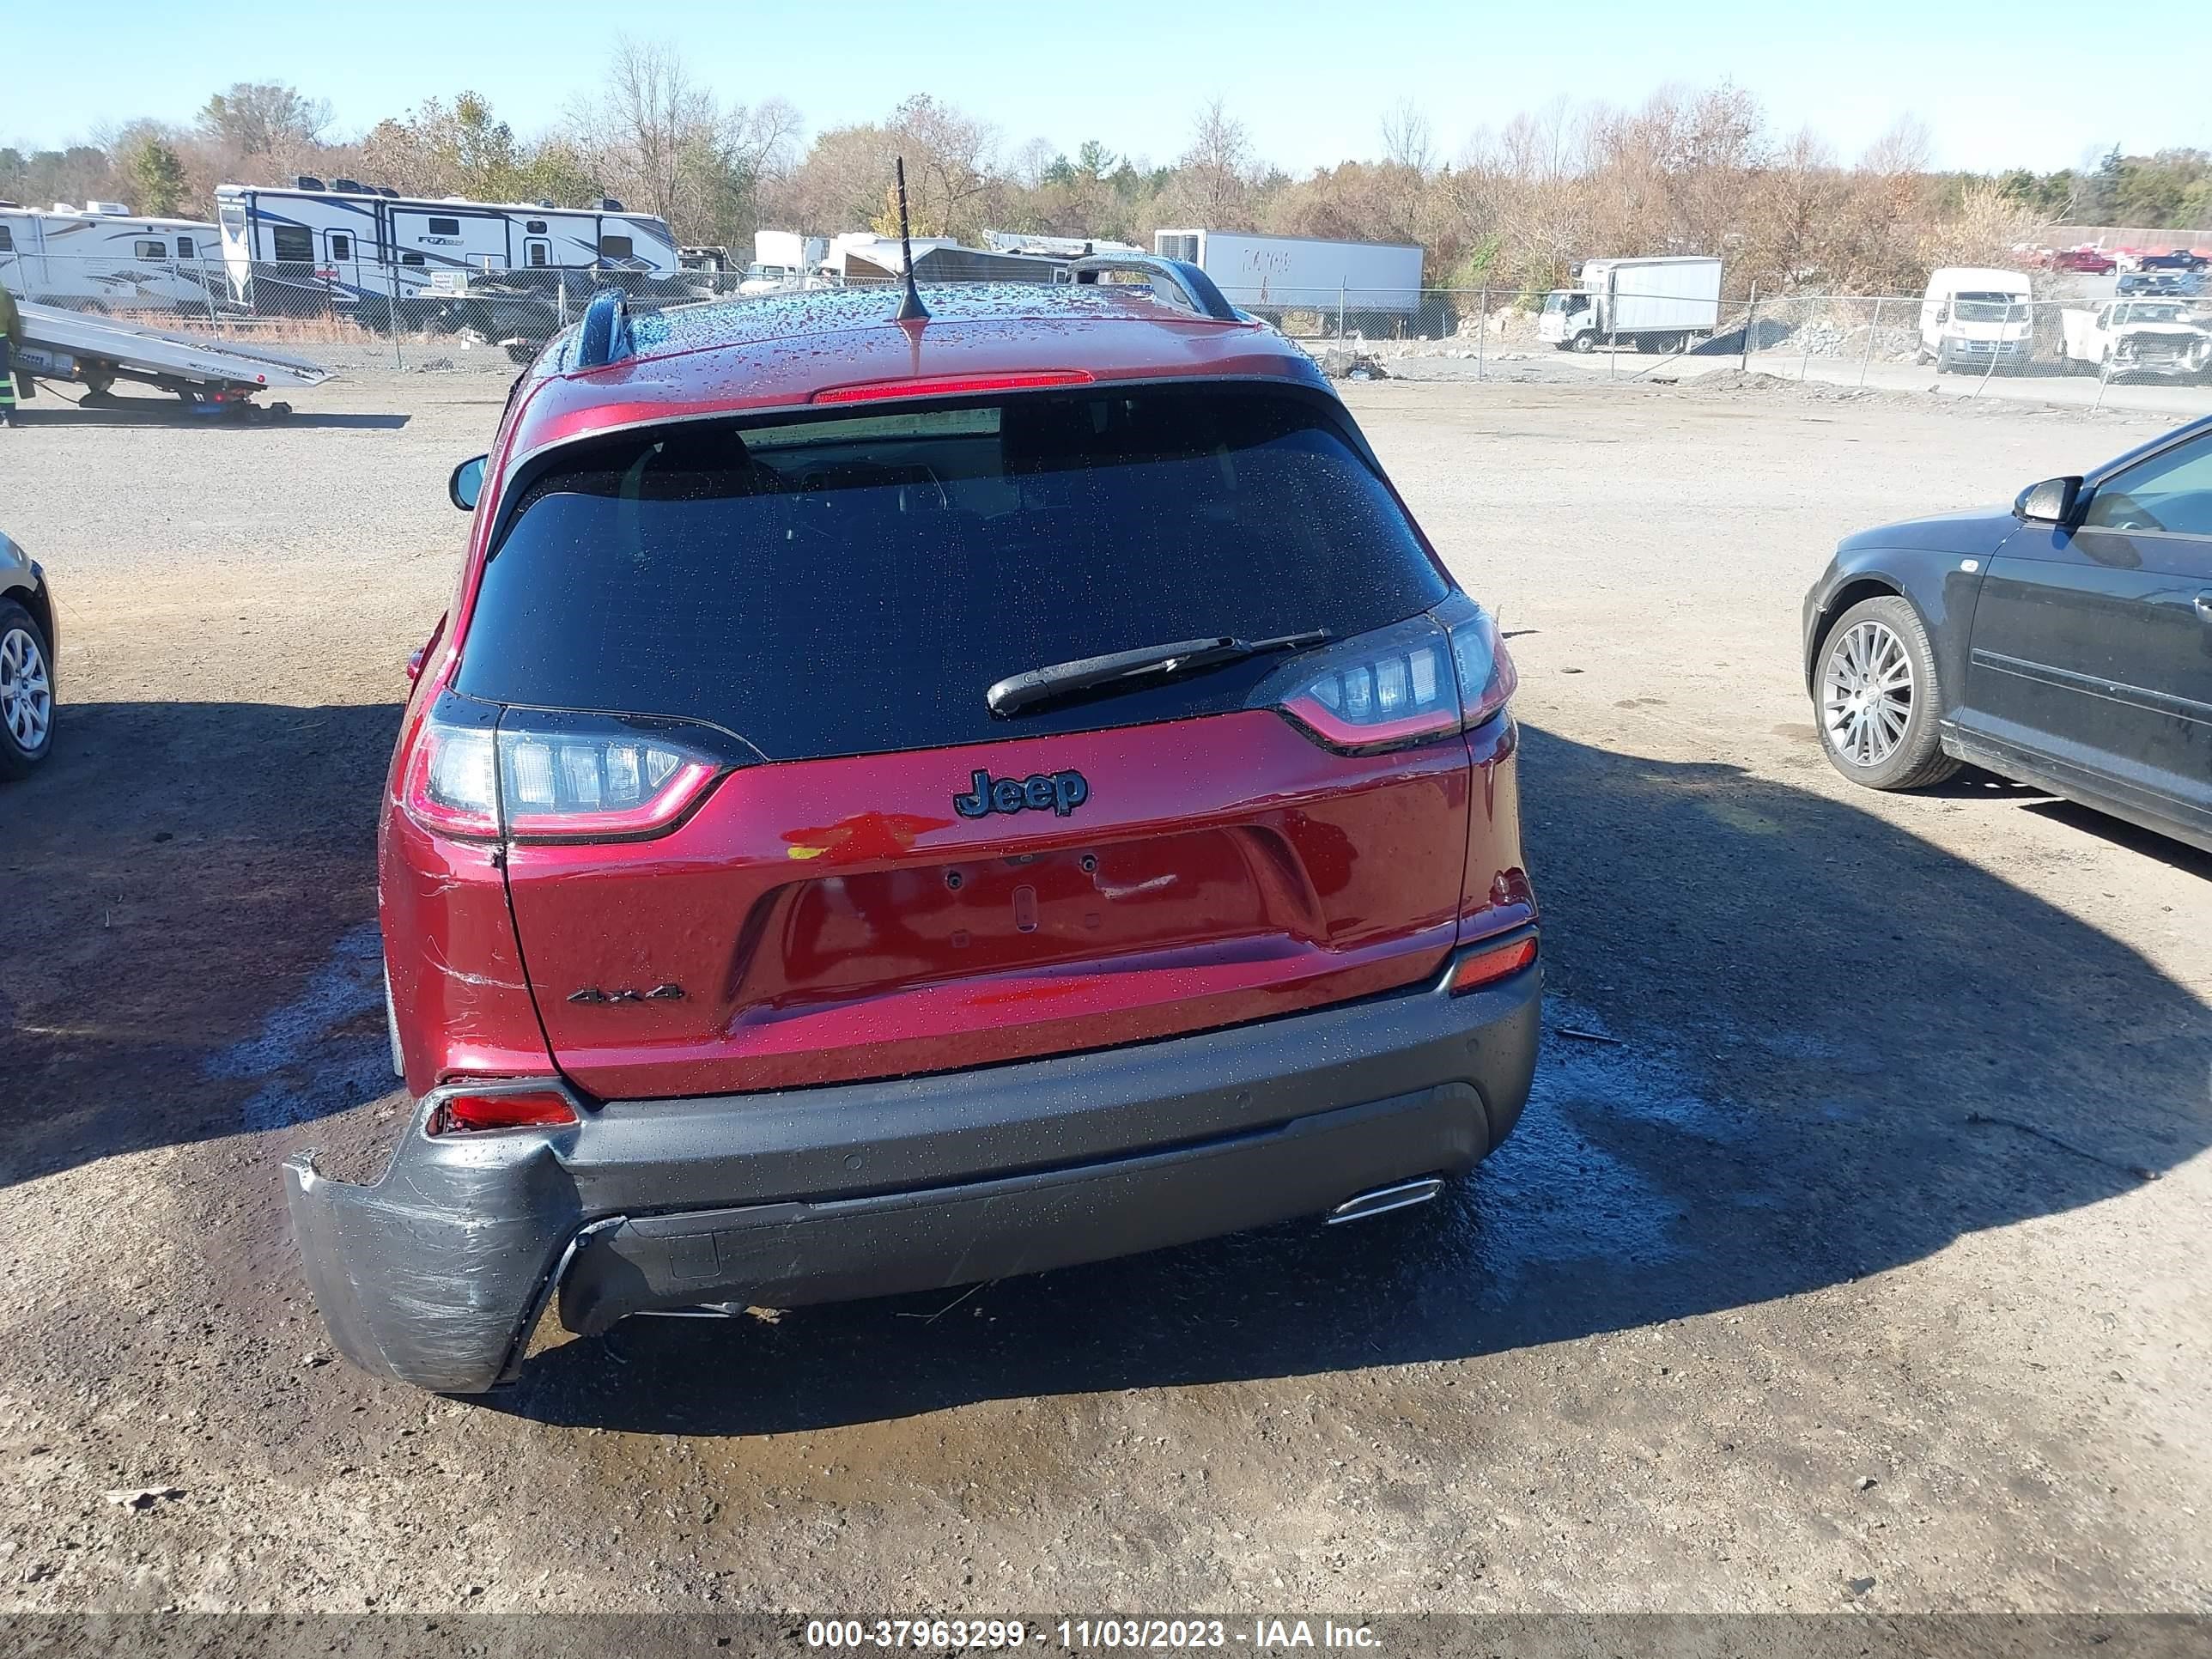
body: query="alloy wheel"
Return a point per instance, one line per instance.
(26, 691)
(1866, 694)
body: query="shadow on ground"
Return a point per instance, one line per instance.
(168, 877)
(148, 411)
(1790, 1044)
(1814, 1047)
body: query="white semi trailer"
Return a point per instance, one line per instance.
(1665, 304)
(1301, 273)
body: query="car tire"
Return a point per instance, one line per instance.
(1885, 741)
(1584, 343)
(26, 691)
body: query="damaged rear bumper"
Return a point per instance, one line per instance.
(436, 1274)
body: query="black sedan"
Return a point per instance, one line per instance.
(2066, 642)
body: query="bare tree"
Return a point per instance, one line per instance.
(1905, 146)
(1407, 138)
(650, 112)
(1215, 171)
(951, 171)
(1031, 161)
(661, 137)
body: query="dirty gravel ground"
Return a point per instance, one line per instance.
(1754, 1313)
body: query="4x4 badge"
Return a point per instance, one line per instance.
(1062, 792)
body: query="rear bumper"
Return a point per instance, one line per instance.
(436, 1274)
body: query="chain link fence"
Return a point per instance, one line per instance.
(2138, 330)
(349, 312)
(2128, 329)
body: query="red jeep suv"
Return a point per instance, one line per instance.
(896, 803)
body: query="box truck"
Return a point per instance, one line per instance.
(1666, 304)
(1275, 274)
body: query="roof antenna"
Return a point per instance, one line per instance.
(911, 309)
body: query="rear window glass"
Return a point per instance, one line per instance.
(855, 584)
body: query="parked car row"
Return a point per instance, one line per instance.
(2103, 262)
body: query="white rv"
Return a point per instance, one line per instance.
(102, 257)
(346, 243)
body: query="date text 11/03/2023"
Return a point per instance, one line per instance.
(1259, 1636)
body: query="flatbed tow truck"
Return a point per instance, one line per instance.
(213, 378)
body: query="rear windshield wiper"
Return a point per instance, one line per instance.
(1148, 664)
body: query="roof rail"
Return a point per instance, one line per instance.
(1194, 289)
(603, 337)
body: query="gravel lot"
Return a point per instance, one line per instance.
(1829, 1280)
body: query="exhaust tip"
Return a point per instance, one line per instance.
(1383, 1199)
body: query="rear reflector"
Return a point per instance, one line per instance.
(475, 1111)
(949, 385)
(1480, 968)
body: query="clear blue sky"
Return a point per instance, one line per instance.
(1309, 81)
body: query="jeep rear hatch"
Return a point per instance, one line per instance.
(766, 828)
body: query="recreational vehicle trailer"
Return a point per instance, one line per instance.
(314, 247)
(102, 257)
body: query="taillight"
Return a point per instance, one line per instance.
(478, 773)
(1487, 678)
(451, 785)
(587, 786)
(479, 1109)
(1408, 684)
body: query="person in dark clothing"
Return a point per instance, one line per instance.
(11, 336)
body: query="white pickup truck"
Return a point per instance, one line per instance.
(2164, 337)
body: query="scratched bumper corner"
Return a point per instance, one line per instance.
(435, 1275)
